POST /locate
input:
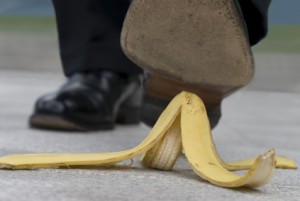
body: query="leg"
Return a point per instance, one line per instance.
(89, 35)
(103, 86)
(255, 13)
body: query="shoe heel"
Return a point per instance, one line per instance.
(151, 110)
(160, 90)
(129, 116)
(130, 110)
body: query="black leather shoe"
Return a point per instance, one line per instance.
(90, 101)
(199, 46)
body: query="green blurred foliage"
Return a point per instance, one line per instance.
(30, 25)
(281, 38)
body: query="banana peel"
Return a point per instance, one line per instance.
(183, 125)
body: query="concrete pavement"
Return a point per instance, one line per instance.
(253, 122)
(264, 115)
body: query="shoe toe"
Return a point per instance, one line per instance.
(50, 105)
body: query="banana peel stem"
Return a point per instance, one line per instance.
(281, 162)
(183, 125)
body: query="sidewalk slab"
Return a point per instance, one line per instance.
(252, 123)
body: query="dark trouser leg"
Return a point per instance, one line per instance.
(256, 16)
(89, 35)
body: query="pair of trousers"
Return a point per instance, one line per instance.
(89, 33)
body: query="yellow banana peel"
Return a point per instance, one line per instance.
(183, 125)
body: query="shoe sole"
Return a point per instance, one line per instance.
(126, 116)
(53, 123)
(199, 46)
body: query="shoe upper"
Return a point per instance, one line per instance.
(91, 95)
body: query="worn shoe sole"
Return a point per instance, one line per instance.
(126, 116)
(53, 123)
(199, 46)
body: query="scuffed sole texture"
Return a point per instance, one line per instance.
(201, 42)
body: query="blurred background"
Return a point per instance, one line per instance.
(28, 44)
